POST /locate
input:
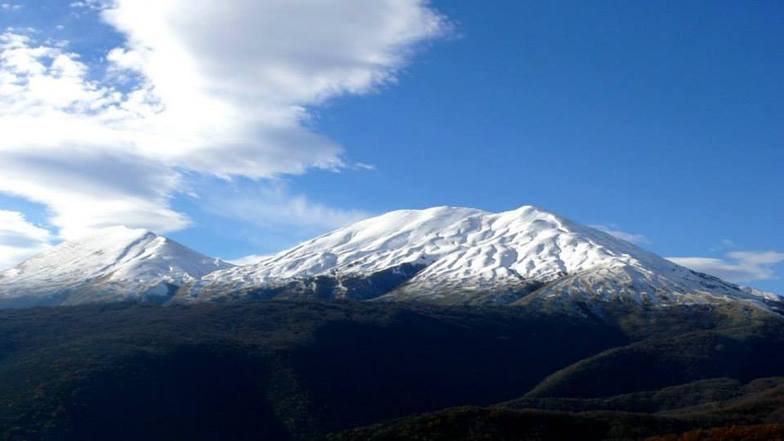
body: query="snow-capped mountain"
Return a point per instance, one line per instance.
(117, 263)
(468, 256)
(440, 255)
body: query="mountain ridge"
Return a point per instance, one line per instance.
(469, 256)
(449, 255)
(116, 263)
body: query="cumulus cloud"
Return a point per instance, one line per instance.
(235, 79)
(737, 266)
(613, 230)
(204, 87)
(60, 148)
(19, 238)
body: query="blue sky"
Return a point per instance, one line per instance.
(661, 120)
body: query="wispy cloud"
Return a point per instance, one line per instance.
(90, 4)
(737, 266)
(363, 166)
(724, 245)
(247, 260)
(19, 238)
(613, 230)
(10, 7)
(273, 206)
(223, 89)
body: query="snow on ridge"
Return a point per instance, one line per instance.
(527, 241)
(458, 255)
(470, 251)
(118, 260)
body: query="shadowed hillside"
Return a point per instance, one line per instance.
(283, 370)
(267, 369)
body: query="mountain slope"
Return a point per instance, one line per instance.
(280, 370)
(267, 370)
(467, 256)
(447, 255)
(117, 263)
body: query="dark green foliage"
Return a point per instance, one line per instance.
(498, 424)
(760, 432)
(759, 402)
(742, 353)
(279, 370)
(669, 398)
(267, 369)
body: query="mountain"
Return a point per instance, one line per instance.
(114, 264)
(445, 255)
(290, 371)
(453, 295)
(455, 255)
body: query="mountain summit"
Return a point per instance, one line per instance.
(460, 255)
(114, 264)
(447, 255)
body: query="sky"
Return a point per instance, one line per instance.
(241, 128)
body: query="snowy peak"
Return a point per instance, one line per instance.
(393, 238)
(449, 255)
(452, 242)
(464, 255)
(114, 263)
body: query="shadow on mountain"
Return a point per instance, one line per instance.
(270, 370)
(746, 412)
(281, 370)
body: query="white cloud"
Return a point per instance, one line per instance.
(612, 230)
(738, 266)
(724, 245)
(89, 4)
(10, 7)
(247, 260)
(61, 146)
(235, 78)
(363, 166)
(20, 239)
(272, 206)
(212, 87)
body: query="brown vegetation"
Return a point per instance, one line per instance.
(762, 432)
